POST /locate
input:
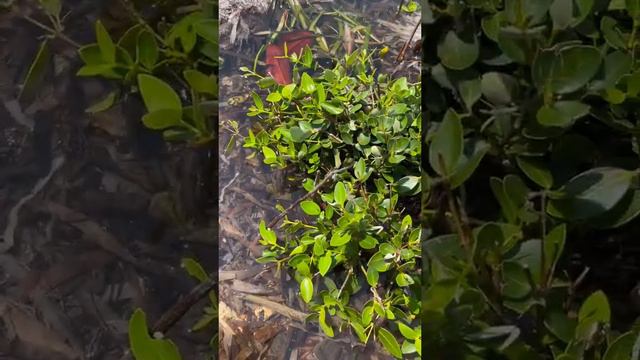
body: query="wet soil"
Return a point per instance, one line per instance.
(96, 212)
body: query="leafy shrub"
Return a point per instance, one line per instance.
(532, 142)
(188, 47)
(353, 137)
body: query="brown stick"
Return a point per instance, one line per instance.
(403, 51)
(184, 304)
(254, 248)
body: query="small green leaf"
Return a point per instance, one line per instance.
(201, 83)
(268, 235)
(447, 144)
(498, 88)
(105, 43)
(324, 263)
(591, 193)
(157, 94)
(340, 193)
(339, 238)
(36, 74)
(195, 269)
(536, 170)
(287, 91)
(103, 104)
(389, 342)
(470, 92)
(143, 347)
(307, 84)
(274, 97)
(406, 331)
(331, 109)
(306, 289)
(147, 50)
(322, 319)
(310, 208)
(561, 12)
(162, 119)
(457, 54)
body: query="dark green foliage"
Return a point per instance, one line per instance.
(531, 146)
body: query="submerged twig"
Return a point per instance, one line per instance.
(9, 232)
(184, 304)
(406, 44)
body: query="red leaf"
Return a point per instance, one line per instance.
(296, 41)
(278, 68)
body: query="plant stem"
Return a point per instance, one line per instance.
(51, 30)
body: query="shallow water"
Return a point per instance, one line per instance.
(96, 210)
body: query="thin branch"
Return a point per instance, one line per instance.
(183, 305)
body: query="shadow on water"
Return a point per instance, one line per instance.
(96, 211)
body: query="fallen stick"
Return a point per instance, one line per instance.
(254, 246)
(277, 307)
(184, 304)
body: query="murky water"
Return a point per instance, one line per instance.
(96, 211)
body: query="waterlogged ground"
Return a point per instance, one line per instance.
(261, 314)
(96, 212)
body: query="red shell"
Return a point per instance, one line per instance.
(279, 68)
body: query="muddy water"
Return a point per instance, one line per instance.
(250, 190)
(96, 211)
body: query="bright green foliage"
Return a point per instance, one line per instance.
(532, 144)
(355, 233)
(146, 60)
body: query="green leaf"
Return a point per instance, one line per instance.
(208, 30)
(561, 12)
(616, 65)
(553, 246)
(562, 113)
(594, 310)
(322, 319)
(633, 8)
(162, 119)
(157, 94)
(331, 109)
(612, 33)
(195, 269)
(36, 74)
(339, 238)
(147, 50)
(306, 289)
(202, 83)
(470, 92)
(455, 53)
(566, 70)
(389, 342)
(307, 84)
(622, 347)
(310, 208)
(408, 185)
(446, 144)
(536, 170)
(403, 280)
(287, 91)
(406, 331)
(52, 7)
(324, 263)
(498, 88)
(268, 235)
(591, 193)
(274, 97)
(626, 210)
(270, 156)
(105, 43)
(103, 104)
(340, 193)
(143, 347)
(474, 152)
